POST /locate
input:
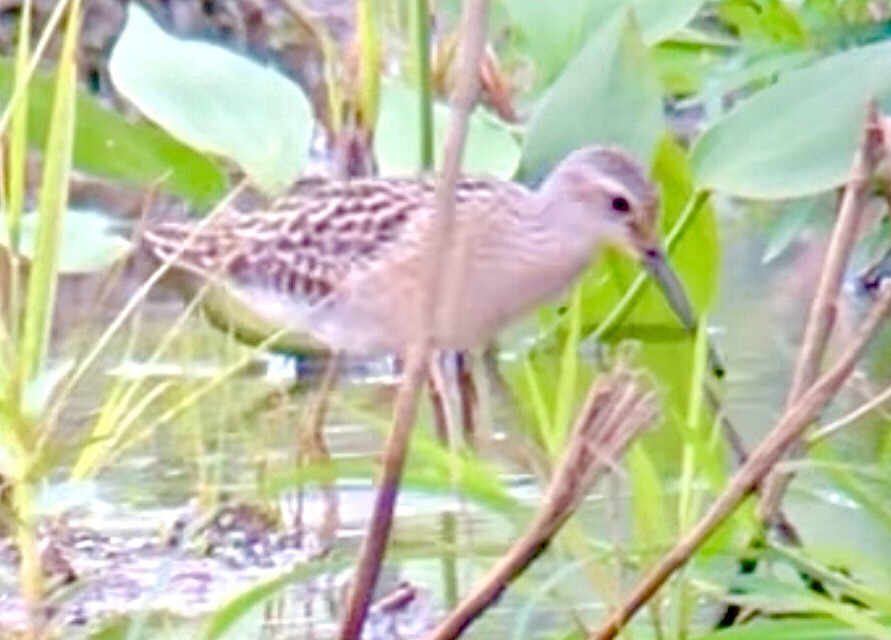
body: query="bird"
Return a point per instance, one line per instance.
(337, 266)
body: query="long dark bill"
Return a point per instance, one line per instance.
(676, 296)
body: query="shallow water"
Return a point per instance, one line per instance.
(118, 539)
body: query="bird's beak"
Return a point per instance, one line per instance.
(654, 262)
(653, 259)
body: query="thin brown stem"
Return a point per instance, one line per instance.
(374, 544)
(761, 461)
(850, 418)
(438, 297)
(823, 310)
(615, 412)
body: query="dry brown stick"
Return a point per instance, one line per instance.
(823, 310)
(819, 326)
(851, 417)
(374, 545)
(616, 410)
(782, 525)
(786, 432)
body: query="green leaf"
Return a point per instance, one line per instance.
(214, 100)
(785, 228)
(667, 347)
(491, 147)
(787, 629)
(608, 94)
(225, 622)
(771, 594)
(109, 145)
(798, 136)
(52, 204)
(696, 256)
(764, 22)
(89, 242)
(551, 33)
(685, 67)
(659, 19)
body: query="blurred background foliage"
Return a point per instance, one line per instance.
(743, 109)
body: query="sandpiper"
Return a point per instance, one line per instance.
(337, 265)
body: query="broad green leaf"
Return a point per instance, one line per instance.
(771, 594)
(798, 136)
(759, 70)
(109, 145)
(550, 33)
(787, 628)
(786, 226)
(659, 19)
(764, 22)
(89, 242)
(214, 100)
(696, 256)
(491, 147)
(685, 67)
(608, 94)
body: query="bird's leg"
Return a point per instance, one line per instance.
(447, 368)
(467, 396)
(439, 400)
(444, 424)
(312, 447)
(500, 411)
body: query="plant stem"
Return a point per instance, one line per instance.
(761, 462)
(425, 90)
(30, 570)
(437, 308)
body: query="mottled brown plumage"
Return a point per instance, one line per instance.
(338, 264)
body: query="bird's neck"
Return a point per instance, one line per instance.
(552, 256)
(563, 246)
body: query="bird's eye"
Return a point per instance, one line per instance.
(621, 204)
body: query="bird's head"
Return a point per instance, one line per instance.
(603, 195)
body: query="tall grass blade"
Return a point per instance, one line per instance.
(369, 62)
(52, 203)
(18, 137)
(568, 375)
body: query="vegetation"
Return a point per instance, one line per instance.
(750, 113)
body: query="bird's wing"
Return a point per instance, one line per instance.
(315, 237)
(305, 244)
